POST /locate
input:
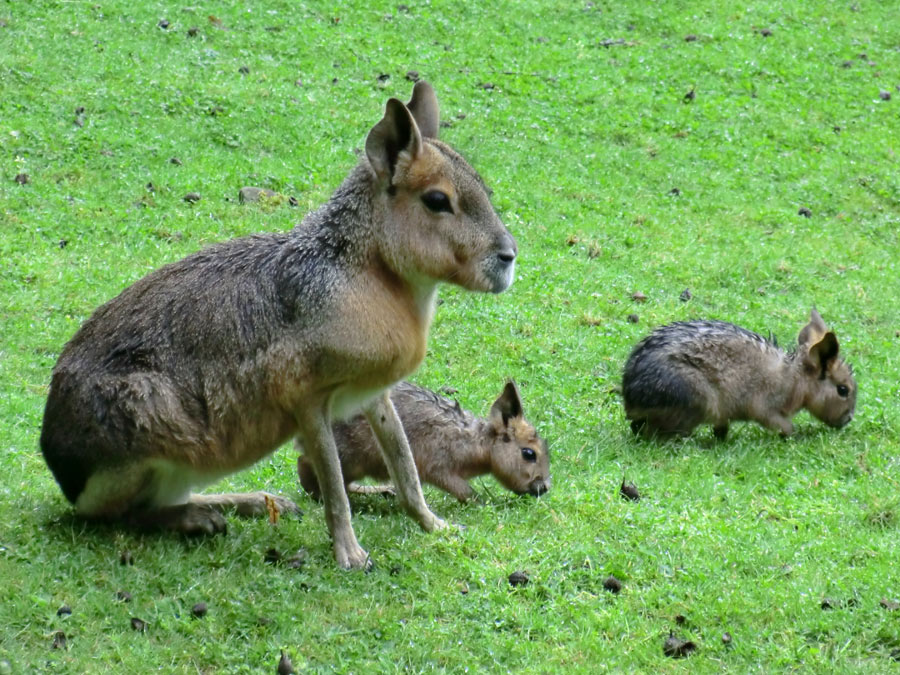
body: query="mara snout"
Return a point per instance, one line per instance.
(210, 363)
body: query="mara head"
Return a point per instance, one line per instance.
(519, 458)
(438, 220)
(830, 387)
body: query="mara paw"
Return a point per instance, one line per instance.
(255, 505)
(193, 520)
(432, 523)
(352, 558)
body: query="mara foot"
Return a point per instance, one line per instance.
(190, 519)
(247, 504)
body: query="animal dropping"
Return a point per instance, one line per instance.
(629, 491)
(518, 579)
(612, 584)
(296, 561)
(712, 372)
(677, 648)
(209, 364)
(449, 446)
(285, 667)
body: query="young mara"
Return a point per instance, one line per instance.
(449, 445)
(713, 372)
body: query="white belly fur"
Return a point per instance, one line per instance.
(153, 483)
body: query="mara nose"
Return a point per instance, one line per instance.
(508, 249)
(507, 255)
(538, 488)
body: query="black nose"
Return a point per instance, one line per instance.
(507, 255)
(507, 249)
(845, 420)
(538, 488)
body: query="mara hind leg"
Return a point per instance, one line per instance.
(246, 504)
(157, 495)
(638, 425)
(203, 514)
(138, 496)
(308, 479)
(385, 490)
(310, 483)
(672, 422)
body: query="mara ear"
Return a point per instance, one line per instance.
(816, 320)
(822, 353)
(424, 108)
(395, 133)
(507, 406)
(814, 330)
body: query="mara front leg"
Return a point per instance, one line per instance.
(777, 422)
(318, 443)
(457, 486)
(385, 422)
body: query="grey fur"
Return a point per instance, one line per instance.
(712, 372)
(450, 445)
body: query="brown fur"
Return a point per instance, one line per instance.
(449, 445)
(712, 372)
(210, 363)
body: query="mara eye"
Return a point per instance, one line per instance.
(437, 201)
(843, 390)
(529, 455)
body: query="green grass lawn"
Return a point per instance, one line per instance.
(613, 182)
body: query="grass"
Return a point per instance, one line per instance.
(613, 183)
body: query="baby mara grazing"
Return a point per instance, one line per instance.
(209, 364)
(449, 445)
(713, 372)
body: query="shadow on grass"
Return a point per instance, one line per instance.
(739, 434)
(68, 525)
